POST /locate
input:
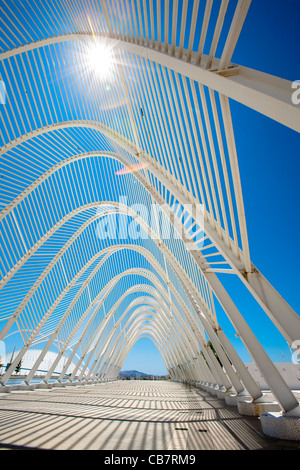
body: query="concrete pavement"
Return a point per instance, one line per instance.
(126, 415)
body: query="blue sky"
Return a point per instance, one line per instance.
(269, 167)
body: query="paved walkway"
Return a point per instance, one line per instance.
(126, 415)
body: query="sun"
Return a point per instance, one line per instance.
(100, 59)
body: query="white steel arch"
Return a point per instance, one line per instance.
(165, 116)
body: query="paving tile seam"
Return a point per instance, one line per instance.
(31, 397)
(95, 398)
(191, 410)
(102, 419)
(127, 419)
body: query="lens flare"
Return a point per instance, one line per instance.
(132, 168)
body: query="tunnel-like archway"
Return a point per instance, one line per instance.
(122, 203)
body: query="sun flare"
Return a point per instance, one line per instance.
(100, 59)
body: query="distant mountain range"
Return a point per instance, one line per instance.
(134, 373)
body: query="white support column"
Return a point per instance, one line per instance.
(249, 383)
(225, 361)
(280, 389)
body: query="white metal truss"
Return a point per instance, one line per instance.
(66, 137)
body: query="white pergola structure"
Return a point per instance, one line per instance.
(122, 200)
